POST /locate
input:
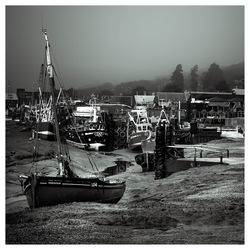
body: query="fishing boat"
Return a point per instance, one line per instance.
(46, 190)
(44, 125)
(45, 128)
(89, 129)
(139, 128)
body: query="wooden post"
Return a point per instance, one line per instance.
(146, 155)
(221, 159)
(195, 163)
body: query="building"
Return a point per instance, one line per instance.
(168, 98)
(11, 100)
(219, 104)
(144, 101)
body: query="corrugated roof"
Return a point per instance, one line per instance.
(236, 99)
(216, 99)
(173, 96)
(121, 99)
(219, 104)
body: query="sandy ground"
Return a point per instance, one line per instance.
(202, 205)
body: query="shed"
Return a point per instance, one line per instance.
(11, 97)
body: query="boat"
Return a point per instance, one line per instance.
(65, 187)
(45, 128)
(139, 128)
(44, 125)
(89, 129)
(236, 132)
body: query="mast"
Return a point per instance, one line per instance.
(179, 112)
(49, 68)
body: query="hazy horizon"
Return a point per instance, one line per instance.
(98, 44)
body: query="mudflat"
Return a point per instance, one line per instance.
(201, 205)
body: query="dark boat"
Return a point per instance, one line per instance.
(89, 129)
(48, 190)
(45, 130)
(43, 190)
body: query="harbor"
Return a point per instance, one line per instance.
(105, 146)
(155, 168)
(151, 166)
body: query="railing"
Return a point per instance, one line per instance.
(219, 114)
(202, 148)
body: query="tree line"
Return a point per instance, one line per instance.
(212, 80)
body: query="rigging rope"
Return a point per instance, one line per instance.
(71, 119)
(36, 146)
(65, 148)
(90, 158)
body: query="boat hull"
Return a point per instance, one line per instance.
(45, 131)
(86, 137)
(135, 139)
(47, 191)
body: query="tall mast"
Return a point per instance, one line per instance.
(49, 68)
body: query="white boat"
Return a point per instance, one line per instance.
(139, 128)
(236, 132)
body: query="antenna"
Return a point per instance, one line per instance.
(43, 30)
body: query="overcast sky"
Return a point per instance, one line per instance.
(97, 44)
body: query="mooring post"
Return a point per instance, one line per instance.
(147, 161)
(195, 163)
(221, 159)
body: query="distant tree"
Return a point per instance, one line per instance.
(222, 86)
(177, 78)
(194, 78)
(139, 90)
(169, 87)
(213, 79)
(177, 81)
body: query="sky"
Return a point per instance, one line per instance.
(97, 44)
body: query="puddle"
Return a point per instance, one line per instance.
(120, 167)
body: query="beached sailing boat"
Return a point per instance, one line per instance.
(43, 190)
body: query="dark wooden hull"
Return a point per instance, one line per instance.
(47, 191)
(87, 136)
(46, 131)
